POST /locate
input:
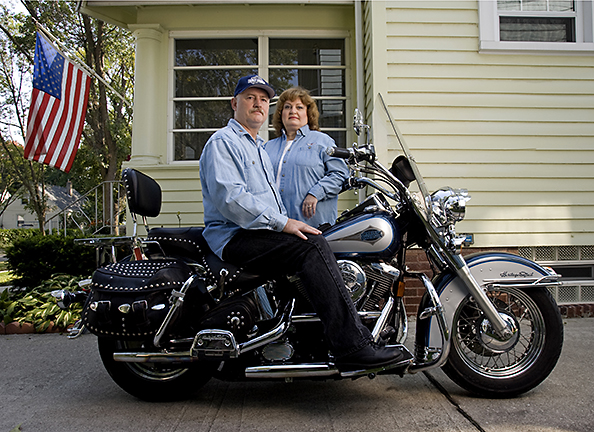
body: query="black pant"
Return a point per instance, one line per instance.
(270, 253)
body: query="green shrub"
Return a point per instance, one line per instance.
(38, 306)
(8, 236)
(35, 259)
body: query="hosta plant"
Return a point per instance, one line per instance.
(38, 306)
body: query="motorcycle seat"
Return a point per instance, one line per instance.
(189, 243)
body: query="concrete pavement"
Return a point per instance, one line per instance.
(50, 383)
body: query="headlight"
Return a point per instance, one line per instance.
(449, 205)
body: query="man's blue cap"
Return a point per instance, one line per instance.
(253, 81)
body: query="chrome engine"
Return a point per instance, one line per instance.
(369, 283)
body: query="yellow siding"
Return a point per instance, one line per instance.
(516, 130)
(181, 192)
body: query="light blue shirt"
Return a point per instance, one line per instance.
(238, 189)
(307, 169)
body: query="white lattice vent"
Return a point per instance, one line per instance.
(575, 263)
(557, 253)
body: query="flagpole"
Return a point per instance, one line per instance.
(79, 64)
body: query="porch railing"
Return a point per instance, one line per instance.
(101, 210)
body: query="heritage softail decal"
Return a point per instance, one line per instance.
(520, 274)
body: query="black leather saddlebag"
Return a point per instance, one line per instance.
(130, 300)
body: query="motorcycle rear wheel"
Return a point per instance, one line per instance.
(155, 382)
(498, 369)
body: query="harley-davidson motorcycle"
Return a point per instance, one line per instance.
(172, 315)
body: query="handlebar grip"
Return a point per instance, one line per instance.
(338, 152)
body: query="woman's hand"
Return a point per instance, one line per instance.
(309, 206)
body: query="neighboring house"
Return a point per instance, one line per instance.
(492, 96)
(58, 198)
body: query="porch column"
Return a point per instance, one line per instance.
(146, 129)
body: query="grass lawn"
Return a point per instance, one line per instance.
(5, 278)
(5, 275)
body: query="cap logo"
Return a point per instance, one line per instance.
(256, 80)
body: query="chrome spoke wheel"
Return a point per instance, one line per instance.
(482, 362)
(490, 356)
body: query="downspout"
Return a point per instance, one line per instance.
(359, 68)
(359, 55)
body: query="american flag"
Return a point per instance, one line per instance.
(58, 107)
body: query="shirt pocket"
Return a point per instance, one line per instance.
(308, 155)
(255, 179)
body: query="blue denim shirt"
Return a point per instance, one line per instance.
(238, 189)
(307, 169)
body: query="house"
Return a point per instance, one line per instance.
(495, 96)
(58, 198)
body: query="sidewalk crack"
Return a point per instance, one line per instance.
(443, 391)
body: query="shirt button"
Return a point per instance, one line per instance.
(253, 162)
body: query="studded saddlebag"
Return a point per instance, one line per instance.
(130, 300)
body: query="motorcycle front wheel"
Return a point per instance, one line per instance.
(155, 382)
(489, 367)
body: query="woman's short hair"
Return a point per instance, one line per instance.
(291, 95)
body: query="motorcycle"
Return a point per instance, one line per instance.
(172, 315)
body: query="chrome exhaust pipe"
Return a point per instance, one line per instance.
(292, 371)
(154, 357)
(187, 357)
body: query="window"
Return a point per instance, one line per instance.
(536, 20)
(205, 72)
(541, 26)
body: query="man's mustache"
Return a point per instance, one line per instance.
(257, 110)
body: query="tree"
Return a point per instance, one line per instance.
(109, 51)
(19, 175)
(10, 186)
(105, 49)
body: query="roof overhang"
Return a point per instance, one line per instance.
(125, 12)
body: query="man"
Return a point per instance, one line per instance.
(246, 225)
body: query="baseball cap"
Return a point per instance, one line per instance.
(253, 81)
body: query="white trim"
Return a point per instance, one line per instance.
(536, 48)
(489, 42)
(145, 3)
(289, 34)
(170, 104)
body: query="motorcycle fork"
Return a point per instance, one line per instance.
(431, 307)
(501, 329)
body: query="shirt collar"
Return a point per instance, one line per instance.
(240, 130)
(302, 131)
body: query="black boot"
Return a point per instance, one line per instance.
(373, 356)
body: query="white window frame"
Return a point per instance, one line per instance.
(263, 65)
(489, 42)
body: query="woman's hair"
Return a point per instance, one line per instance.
(291, 95)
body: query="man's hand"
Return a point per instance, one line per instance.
(298, 228)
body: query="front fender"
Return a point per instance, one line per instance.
(484, 267)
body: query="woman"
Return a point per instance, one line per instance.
(308, 179)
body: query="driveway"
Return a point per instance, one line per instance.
(50, 383)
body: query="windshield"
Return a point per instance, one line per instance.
(409, 156)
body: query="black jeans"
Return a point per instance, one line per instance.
(270, 253)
